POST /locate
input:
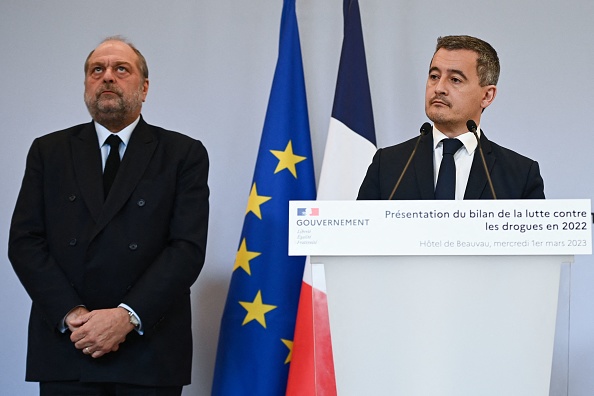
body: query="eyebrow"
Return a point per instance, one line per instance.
(450, 71)
(115, 63)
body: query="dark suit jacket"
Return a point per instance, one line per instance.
(514, 176)
(144, 246)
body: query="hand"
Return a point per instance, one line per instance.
(99, 332)
(72, 317)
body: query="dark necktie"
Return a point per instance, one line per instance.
(446, 180)
(112, 164)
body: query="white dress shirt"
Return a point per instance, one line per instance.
(103, 133)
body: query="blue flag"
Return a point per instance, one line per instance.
(352, 99)
(351, 142)
(256, 336)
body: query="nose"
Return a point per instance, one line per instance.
(440, 88)
(108, 75)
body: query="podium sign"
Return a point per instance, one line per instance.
(468, 227)
(446, 298)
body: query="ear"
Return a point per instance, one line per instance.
(489, 93)
(145, 87)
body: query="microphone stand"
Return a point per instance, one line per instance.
(472, 128)
(425, 128)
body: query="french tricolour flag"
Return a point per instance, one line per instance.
(350, 147)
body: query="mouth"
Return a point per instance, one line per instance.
(439, 102)
(108, 95)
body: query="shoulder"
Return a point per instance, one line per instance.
(515, 175)
(58, 143)
(65, 134)
(397, 151)
(404, 145)
(167, 135)
(508, 155)
(167, 139)
(174, 146)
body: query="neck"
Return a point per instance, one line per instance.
(115, 125)
(452, 131)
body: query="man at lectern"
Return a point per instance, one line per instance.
(445, 161)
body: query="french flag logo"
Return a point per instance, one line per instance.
(312, 212)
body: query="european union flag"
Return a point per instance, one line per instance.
(256, 336)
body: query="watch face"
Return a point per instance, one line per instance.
(133, 319)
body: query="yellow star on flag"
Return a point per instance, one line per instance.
(243, 257)
(256, 310)
(288, 344)
(287, 160)
(254, 202)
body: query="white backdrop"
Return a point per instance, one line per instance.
(211, 64)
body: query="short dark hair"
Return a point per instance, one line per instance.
(141, 60)
(487, 62)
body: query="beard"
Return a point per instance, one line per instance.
(116, 110)
(442, 116)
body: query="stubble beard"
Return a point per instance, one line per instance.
(441, 118)
(438, 118)
(113, 112)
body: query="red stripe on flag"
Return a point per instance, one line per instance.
(302, 378)
(325, 379)
(312, 369)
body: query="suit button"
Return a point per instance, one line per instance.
(132, 246)
(72, 242)
(141, 202)
(72, 198)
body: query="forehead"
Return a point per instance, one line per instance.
(464, 60)
(113, 51)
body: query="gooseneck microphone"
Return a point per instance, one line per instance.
(425, 129)
(471, 125)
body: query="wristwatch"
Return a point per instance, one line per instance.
(133, 319)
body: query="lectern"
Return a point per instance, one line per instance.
(424, 303)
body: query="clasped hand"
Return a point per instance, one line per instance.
(98, 332)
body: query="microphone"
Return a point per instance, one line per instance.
(425, 129)
(471, 125)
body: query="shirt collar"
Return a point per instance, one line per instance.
(125, 134)
(467, 139)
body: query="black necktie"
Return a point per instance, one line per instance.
(112, 164)
(446, 180)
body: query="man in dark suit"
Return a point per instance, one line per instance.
(108, 261)
(461, 84)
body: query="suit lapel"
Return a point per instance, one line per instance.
(86, 157)
(140, 149)
(477, 181)
(423, 167)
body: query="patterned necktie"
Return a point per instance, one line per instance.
(446, 180)
(112, 164)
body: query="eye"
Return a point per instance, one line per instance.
(121, 69)
(97, 69)
(433, 76)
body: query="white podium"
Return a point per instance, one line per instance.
(483, 315)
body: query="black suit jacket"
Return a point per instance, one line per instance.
(144, 246)
(514, 176)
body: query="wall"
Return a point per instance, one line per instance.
(211, 64)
